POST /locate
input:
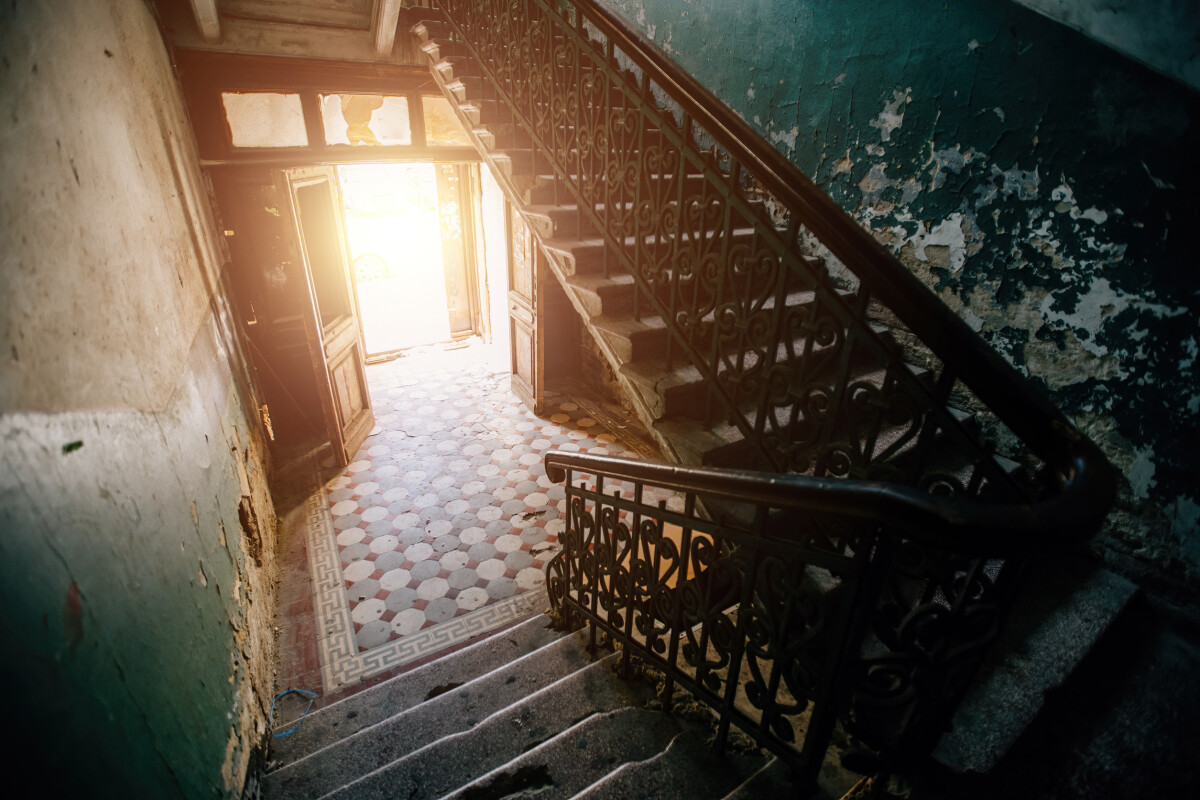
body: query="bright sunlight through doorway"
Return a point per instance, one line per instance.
(398, 251)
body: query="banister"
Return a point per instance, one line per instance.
(1069, 518)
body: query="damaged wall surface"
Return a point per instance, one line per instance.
(136, 531)
(1035, 179)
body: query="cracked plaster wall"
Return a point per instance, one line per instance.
(1035, 179)
(136, 529)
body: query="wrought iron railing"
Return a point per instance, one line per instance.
(836, 602)
(718, 231)
(786, 602)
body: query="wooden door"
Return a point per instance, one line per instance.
(524, 323)
(457, 263)
(543, 327)
(331, 325)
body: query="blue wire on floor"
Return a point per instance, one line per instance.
(311, 697)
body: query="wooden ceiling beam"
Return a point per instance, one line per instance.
(207, 20)
(386, 19)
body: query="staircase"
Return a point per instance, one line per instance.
(861, 490)
(527, 712)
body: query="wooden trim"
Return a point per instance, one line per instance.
(217, 71)
(205, 75)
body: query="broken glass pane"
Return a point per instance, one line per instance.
(370, 119)
(265, 119)
(441, 125)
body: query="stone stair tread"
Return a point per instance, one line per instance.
(345, 717)
(443, 715)
(689, 767)
(577, 757)
(584, 698)
(1066, 607)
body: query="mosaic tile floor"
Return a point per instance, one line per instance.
(441, 527)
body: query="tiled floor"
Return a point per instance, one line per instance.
(441, 527)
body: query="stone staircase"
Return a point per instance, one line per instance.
(522, 713)
(673, 397)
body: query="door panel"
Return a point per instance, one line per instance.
(332, 329)
(525, 335)
(459, 277)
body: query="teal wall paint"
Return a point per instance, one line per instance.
(1037, 180)
(135, 606)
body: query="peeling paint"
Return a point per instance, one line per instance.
(1099, 303)
(1141, 473)
(892, 115)
(1025, 175)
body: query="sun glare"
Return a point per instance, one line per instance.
(396, 247)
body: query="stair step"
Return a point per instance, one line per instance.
(579, 255)
(632, 339)
(682, 389)
(448, 713)
(743, 454)
(438, 49)
(336, 721)
(600, 295)
(666, 183)
(427, 29)
(1066, 608)
(689, 767)
(585, 697)
(578, 757)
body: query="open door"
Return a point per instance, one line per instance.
(543, 327)
(331, 325)
(525, 324)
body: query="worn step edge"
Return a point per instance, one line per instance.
(349, 715)
(578, 756)
(452, 761)
(689, 767)
(444, 715)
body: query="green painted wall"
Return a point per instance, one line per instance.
(136, 531)
(1036, 179)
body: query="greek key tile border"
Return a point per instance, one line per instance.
(341, 662)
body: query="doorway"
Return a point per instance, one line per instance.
(409, 233)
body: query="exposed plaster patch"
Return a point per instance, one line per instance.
(948, 234)
(1141, 473)
(910, 190)
(892, 116)
(1023, 183)
(973, 45)
(875, 150)
(948, 160)
(874, 182)
(1100, 302)
(999, 112)
(843, 165)
(786, 137)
